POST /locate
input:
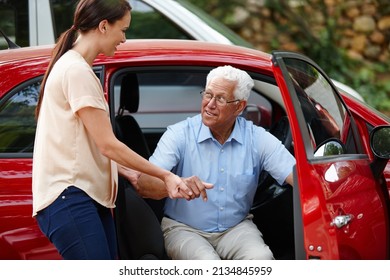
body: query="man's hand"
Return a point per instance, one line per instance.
(197, 187)
(130, 174)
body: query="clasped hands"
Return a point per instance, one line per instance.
(174, 187)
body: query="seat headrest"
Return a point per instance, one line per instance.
(129, 94)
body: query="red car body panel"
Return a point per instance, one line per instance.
(363, 115)
(20, 237)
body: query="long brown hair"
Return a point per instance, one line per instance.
(87, 16)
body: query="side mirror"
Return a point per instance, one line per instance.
(380, 142)
(331, 147)
(380, 146)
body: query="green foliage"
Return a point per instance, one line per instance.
(384, 7)
(220, 9)
(375, 91)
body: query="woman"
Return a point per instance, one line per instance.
(76, 153)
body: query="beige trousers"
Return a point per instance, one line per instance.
(242, 242)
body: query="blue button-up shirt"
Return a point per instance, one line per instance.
(188, 148)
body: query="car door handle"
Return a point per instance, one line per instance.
(340, 221)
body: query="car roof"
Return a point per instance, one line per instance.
(183, 50)
(32, 61)
(24, 53)
(152, 46)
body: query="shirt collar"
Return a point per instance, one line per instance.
(205, 133)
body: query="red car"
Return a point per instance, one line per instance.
(338, 208)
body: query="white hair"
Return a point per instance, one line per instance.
(244, 81)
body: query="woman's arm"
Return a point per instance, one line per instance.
(98, 126)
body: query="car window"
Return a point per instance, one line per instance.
(62, 11)
(17, 116)
(17, 122)
(324, 114)
(14, 22)
(148, 23)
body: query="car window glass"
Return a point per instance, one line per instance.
(17, 122)
(148, 23)
(325, 115)
(14, 22)
(62, 11)
(17, 117)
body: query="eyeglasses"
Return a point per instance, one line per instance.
(220, 100)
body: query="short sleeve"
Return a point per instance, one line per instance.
(168, 151)
(277, 160)
(82, 88)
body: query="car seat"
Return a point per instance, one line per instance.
(138, 229)
(126, 127)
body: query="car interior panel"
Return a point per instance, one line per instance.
(126, 127)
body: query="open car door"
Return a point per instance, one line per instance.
(340, 208)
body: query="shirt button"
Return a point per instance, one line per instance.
(221, 208)
(222, 170)
(221, 189)
(222, 150)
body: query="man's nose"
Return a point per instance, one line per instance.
(212, 102)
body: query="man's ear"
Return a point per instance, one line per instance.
(241, 106)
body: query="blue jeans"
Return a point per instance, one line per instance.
(79, 227)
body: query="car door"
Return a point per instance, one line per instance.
(340, 210)
(20, 236)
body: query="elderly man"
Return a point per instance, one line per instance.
(219, 147)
